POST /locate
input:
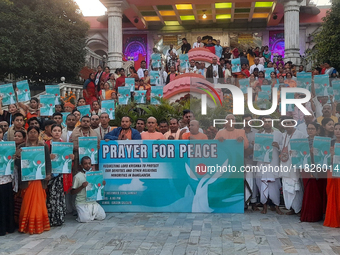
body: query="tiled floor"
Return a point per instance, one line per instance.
(180, 233)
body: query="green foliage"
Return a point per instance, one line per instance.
(327, 40)
(42, 39)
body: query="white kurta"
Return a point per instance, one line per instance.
(250, 190)
(268, 182)
(291, 180)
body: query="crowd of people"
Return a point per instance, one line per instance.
(35, 206)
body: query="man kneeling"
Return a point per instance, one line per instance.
(87, 210)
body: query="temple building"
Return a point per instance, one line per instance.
(131, 29)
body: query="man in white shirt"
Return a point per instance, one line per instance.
(169, 51)
(104, 127)
(187, 117)
(198, 44)
(256, 65)
(70, 125)
(192, 68)
(141, 70)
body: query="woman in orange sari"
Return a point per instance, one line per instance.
(33, 217)
(332, 218)
(289, 81)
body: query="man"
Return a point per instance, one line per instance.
(124, 132)
(174, 132)
(121, 80)
(250, 187)
(229, 132)
(94, 121)
(198, 44)
(192, 68)
(163, 126)
(172, 61)
(291, 184)
(202, 69)
(58, 117)
(302, 127)
(4, 126)
(268, 182)
(327, 113)
(140, 125)
(70, 125)
(151, 133)
(87, 210)
(46, 134)
(141, 70)
(96, 108)
(170, 52)
(301, 69)
(83, 130)
(218, 49)
(194, 134)
(18, 124)
(187, 117)
(185, 46)
(256, 65)
(104, 127)
(214, 71)
(34, 122)
(171, 75)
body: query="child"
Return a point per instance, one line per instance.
(262, 59)
(59, 108)
(107, 93)
(87, 210)
(81, 101)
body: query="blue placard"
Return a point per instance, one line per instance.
(7, 151)
(236, 65)
(95, 190)
(108, 106)
(23, 92)
(300, 152)
(173, 176)
(7, 94)
(47, 105)
(55, 91)
(156, 94)
(85, 110)
(263, 148)
(33, 163)
(321, 151)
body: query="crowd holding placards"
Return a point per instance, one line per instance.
(54, 134)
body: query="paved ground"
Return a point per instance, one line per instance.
(180, 233)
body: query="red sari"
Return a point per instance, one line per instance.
(91, 93)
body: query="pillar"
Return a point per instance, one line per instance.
(291, 31)
(115, 32)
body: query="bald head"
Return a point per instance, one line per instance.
(151, 124)
(194, 127)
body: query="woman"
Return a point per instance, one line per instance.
(56, 205)
(106, 74)
(146, 77)
(252, 81)
(327, 128)
(267, 55)
(32, 110)
(314, 186)
(7, 224)
(289, 81)
(107, 93)
(19, 138)
(89, 90)
(111, 80)
(59, 108)
(81, 101)
(133, 73)
(33, 217)
(332, 218)
(273, 79)
(142, 86)
(260, 79)
(7, 115)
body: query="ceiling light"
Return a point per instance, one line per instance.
(184, 6)
(171, 23)
(223, 16)
(263, 4)
(223, 5)
(204, 16)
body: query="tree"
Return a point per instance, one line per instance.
(42, 39)
(327, 40)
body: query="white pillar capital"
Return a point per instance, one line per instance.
(115, 32)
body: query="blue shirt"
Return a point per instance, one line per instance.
(218, 51)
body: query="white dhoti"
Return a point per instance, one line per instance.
(89, 212)
(250, 188)
(292, 193)
(269, 189)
